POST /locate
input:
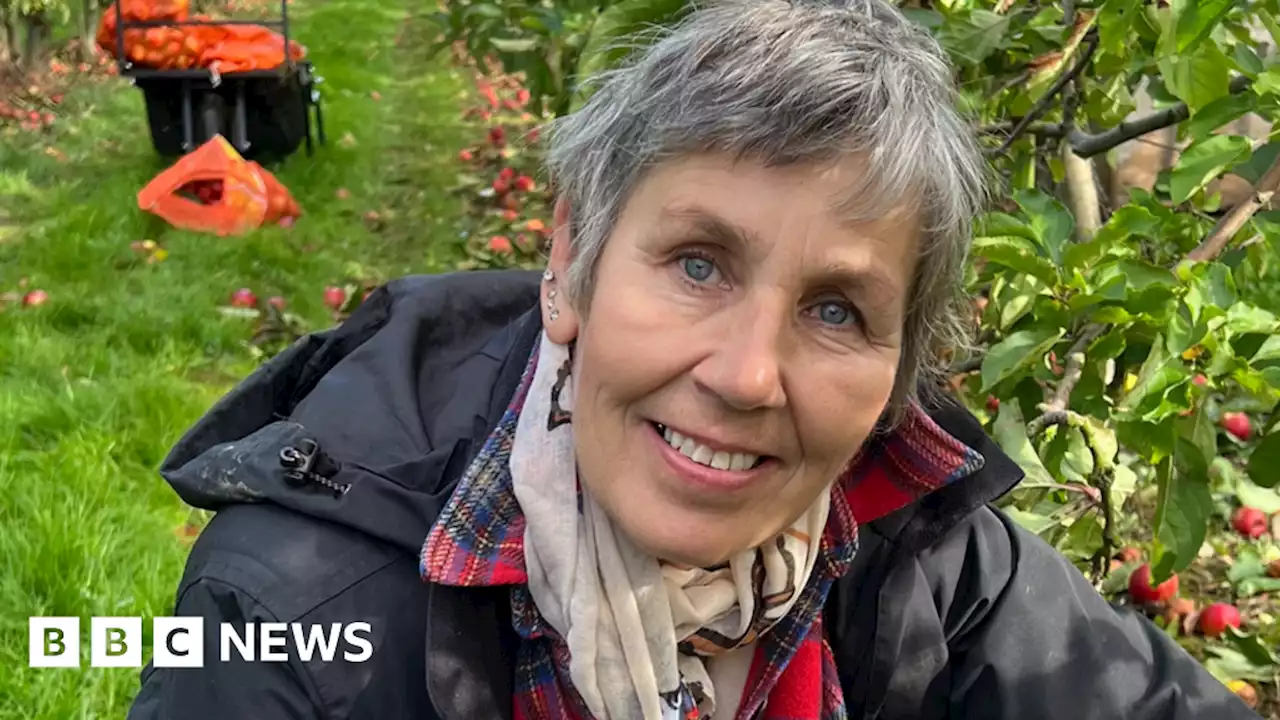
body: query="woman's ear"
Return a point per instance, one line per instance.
(559, 318)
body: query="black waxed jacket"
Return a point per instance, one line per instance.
(949, 610)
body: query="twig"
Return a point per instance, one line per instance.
(1102, 558)
(1054, 417)
(1045, 130)
(963, 367)
(1086, 145)
(1074, 370)
(1042, 105)
(1239, 215)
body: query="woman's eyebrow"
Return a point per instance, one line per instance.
(711, 225)
(869, 285)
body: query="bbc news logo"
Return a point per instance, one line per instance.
(179, 642)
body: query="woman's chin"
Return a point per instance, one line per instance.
(675, 537)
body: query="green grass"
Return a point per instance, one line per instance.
(97, 384)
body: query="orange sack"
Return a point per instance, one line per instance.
(222, 48)
(214, 190)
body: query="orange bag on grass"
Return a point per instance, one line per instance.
(215, 190)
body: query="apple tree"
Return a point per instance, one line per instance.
(1128, 347)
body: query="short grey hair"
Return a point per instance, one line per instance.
(787, 82)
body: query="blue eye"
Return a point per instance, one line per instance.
(697, 268)
(834, 313)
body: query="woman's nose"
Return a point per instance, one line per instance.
(745, 370)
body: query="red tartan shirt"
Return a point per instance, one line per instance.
(478, 541)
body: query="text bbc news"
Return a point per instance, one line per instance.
(180, 642)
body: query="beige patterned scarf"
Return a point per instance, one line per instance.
(639, 631)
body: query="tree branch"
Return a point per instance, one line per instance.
(1042, 105)
(1074, 370)
(1086, 145)
(1227, 228)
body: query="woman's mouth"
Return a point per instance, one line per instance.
(702, 464)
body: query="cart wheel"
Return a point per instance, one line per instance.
(213, 117)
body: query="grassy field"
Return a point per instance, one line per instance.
(96, 384)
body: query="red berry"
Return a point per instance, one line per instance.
(1200, 380)
(35, 298)
(334, 297)
(500, 244)
(1215, 619)
(498, 137)
(524, 183)
(500, 186)
(522, 96)
(466, 155)
(993, 403)
(1143, 593)
(277, 302)
(1250, 522)
(244, 298)
(1130, 554)
(507, 174)
(1237, 423)
(510, 215)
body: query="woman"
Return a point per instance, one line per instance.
(693, 469)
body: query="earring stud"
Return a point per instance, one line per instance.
(548, 275)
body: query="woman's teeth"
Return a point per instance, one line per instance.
(704, 455)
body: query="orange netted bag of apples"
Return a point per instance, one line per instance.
(139, 11)
(215, 190)
(240, 48)
(222, 48)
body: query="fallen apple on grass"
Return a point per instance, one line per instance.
(335, 297)
(1249, 522)
(1215, 619)
(1142, 592)
(244, 298)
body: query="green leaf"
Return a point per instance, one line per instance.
(972, 38)
(1198, 78)
(1256, 166)
(1183, 507)
(1268, 83)
(1247, 565)
(1017, 254)
(1031, 522)
(1211, 286)
(1243, 318)
(1247, 61)
(1229, 664)
(1049, 220)
(1253, 648)
(1115, 23)
(613, 34)
(1010, 433)
(1257, 585)
(1198, 430)
(928, 19)
(1194, 20)
(1268, 501)
(1218, 113)
(514, 45)
(1264, 461)
(1203, 161)
(1016, 352)
(1269, 350)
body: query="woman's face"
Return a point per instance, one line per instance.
(740, 344)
